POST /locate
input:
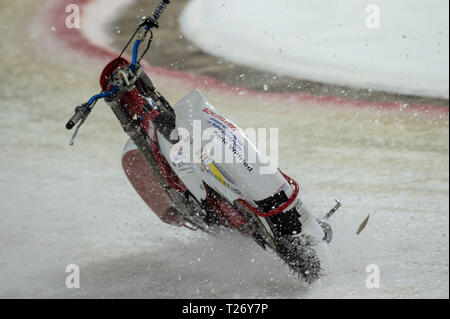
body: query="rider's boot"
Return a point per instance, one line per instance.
(295, 220)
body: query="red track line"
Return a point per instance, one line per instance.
(74, 39)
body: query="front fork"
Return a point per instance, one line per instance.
(136, 105)
(139, 96)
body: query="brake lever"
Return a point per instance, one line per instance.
(72, 140)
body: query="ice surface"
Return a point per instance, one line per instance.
(326, 40)
(61, 205)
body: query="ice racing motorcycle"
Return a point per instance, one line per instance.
(182, 180)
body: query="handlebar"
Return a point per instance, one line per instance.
(148, 23)
(152, 22)
(81, 112)
(160, 9)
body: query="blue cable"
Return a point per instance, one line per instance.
(116, 88)
(135, 54)
(103, 95)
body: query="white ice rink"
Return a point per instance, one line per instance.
(399, 46)
(62, 205)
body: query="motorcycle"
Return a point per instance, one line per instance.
(195, 189)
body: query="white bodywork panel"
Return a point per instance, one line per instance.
(214, 150)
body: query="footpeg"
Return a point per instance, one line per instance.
(328, 231)
(333, 210)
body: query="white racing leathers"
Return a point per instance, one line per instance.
(212, 150)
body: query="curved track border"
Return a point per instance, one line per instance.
(55, 15)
